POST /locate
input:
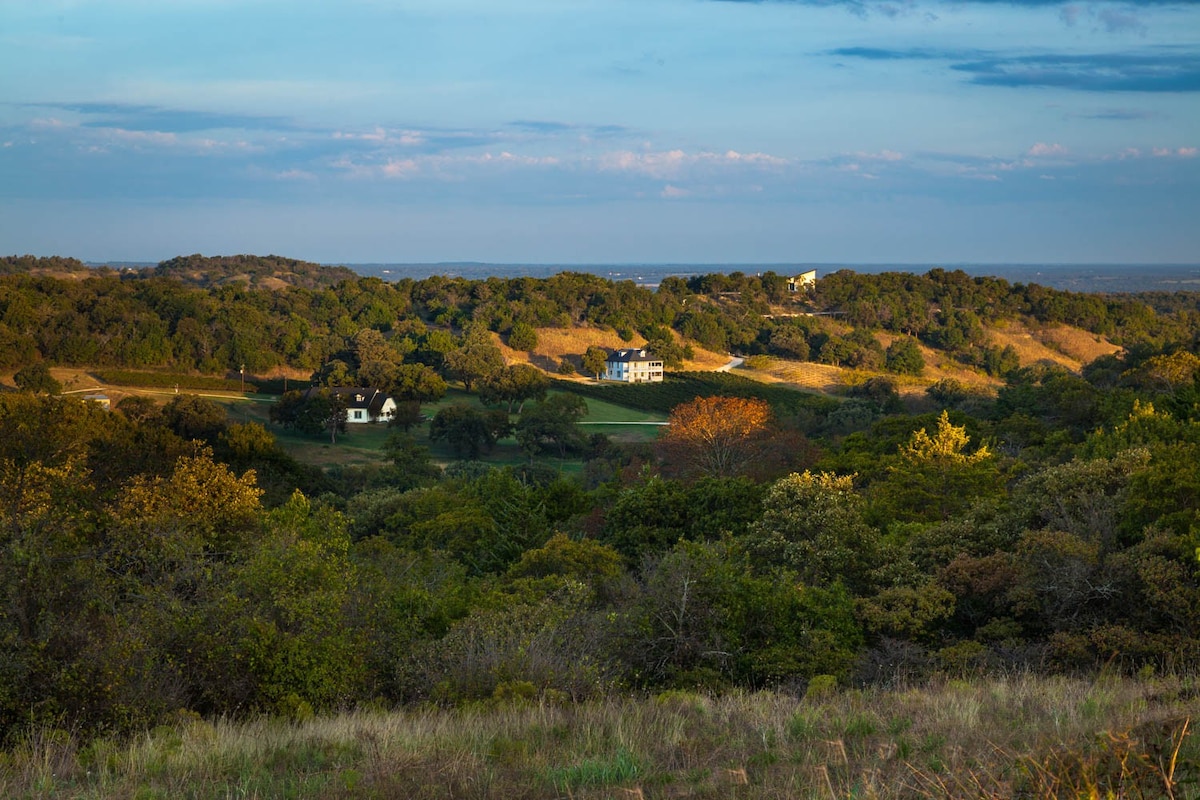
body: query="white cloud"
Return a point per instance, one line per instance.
(882, 155)
(671, 163)
(144, 137)
(1179, 152)
(295, 175)
(438, 166)
(1042, 149)
(381, 135)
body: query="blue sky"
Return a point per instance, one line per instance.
(590, 131)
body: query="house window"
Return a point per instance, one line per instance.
(358, 415)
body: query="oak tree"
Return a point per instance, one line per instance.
(718, 436)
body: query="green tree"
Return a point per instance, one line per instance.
(522, 337)
(514, 385)
(650, 516)
(193, 417)
(334, 374)
(312, 412)
(904, 357)
(36, 378)
(594, 360)
(702, 618)
(137, 408)
(935, 477)
(814, 526)
(415, 382)
(790, 341)
(411, 461)
(476, 358)
(467, 430)
(554, 422)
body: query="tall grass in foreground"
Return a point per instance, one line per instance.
(1018, 737)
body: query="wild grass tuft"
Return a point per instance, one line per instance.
(1032, 737)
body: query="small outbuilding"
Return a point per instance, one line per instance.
(631, 365)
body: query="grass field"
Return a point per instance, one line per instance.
(1021, 736)
(362, 444)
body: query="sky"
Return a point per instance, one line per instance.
(602, 131)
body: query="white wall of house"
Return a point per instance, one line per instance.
(633, 371)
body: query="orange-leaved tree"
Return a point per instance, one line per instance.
(718, 436)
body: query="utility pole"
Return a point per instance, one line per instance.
(243, 371)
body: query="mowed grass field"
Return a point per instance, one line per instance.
(363, 444)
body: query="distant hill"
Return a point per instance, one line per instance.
(260, 272)
(33, 265)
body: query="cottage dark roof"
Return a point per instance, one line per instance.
(630, 356)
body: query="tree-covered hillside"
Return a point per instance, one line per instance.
(161, 557)
(218, 314)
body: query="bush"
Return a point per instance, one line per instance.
(904, 357)
(522, 337)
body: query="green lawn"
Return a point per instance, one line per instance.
(362, 444)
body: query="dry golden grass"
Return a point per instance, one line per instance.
(1023, 736)
(1061, 344)
(557, 344)
(801, 374)
(1076, 343)
(834, 380)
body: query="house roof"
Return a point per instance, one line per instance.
(630, 355)
(364, 397)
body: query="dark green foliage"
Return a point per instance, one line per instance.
(594, 360)
(552, 425)
(412, 382)
(661, 344)
(313, 412)
(880, 391)
(190, 416)
(999, 361)
(522, 337)
(476, 359)
(198, 270)
(36, 378)
(514, 385)
(789, 340)
(814, 526)
(467, 430)
(168, 380)
(904, 357)
(410, 459)
(652, 516)
(703, 619)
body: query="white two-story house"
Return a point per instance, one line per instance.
(632, 366)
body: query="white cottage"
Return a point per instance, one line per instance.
(365, 404)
